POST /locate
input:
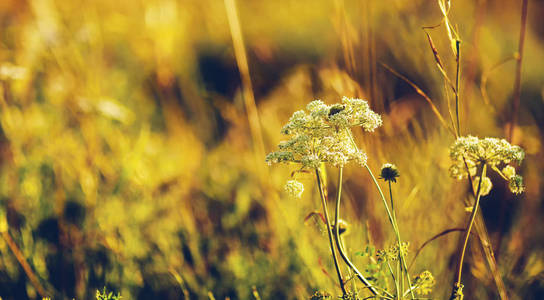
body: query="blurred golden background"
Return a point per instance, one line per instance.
(133, 138)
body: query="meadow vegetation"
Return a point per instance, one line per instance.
(178, 149)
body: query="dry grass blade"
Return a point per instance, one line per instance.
(24, 264)
(443, 233)
(423, 94)
(439, 63)
(445, 6)
(243, 67)
(485, 77)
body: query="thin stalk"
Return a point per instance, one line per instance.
(485, 242)
(399, 268)
(397, 288)
(443, 233)
(337, 237)
(24, 264)
(401, 257)
(457, 76)
(469, 228)
(329, 230)
(485, 77)
(425, 96)
(517, 82)
(400, 280)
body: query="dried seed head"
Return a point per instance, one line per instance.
(389, 172)
(516, 184)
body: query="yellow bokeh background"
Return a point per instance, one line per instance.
(130, 159)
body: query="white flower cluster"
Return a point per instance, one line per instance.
(323, 134)
(294, 188)
(492, 152)
(485, 186)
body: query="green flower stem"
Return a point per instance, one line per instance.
(329, 230)
(485, 242)
(469, 228)
(337, 237)
(400, 281)
(399, 271)
(397, 288)
(395, 228)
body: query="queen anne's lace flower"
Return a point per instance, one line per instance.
(492, 152)
(323, 134)
(294, 188)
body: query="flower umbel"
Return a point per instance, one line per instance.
(486, 186)
(322, 133)
(294, 188)
(424, 283)
(494, 153)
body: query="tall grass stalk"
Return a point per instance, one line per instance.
(247, 87)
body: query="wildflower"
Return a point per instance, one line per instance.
(492, 152)
(294, 188)
(475, 152)
(516, 184)
(382, 256)
(392, 254)
(424, 283)
(322, 134)
(485, 187)
(389, 172)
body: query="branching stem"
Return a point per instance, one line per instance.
(337, 238)
(329, 230)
